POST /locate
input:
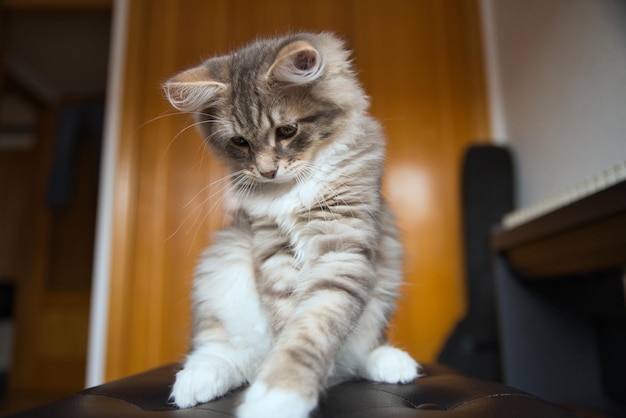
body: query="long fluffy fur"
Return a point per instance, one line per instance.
(297, 292)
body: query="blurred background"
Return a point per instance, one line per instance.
(53, 80)
(106, 194)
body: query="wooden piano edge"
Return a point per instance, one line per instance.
(586, 235)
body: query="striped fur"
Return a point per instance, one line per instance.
(297, 292)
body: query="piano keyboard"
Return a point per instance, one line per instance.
(600, 181)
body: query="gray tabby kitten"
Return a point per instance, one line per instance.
(296, 293)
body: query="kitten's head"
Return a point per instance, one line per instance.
(269, 108)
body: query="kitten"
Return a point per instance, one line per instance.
(296, 293)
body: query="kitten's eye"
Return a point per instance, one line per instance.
(239, 141)
(286, 131)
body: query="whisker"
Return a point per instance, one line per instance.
(216, 182)
(223, 183)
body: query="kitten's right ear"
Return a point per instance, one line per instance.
(193, 89)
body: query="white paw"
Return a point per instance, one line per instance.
(203, 378)
(261, 402)
(390, 365)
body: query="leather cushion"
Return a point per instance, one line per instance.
(441, 393)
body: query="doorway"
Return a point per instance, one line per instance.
(53, 74)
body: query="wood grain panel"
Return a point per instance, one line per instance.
(419, 61)
(424, 74)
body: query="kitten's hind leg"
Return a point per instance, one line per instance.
(390, 365)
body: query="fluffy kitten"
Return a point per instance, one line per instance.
(297, 292)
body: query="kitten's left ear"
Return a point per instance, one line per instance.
(298, 62)
(193, 89)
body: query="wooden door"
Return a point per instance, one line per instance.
(421, 63)
(53, 283)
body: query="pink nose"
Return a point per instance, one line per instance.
(269, 174)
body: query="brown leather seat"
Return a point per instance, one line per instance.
(441, 393)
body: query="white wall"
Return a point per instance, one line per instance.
(557, 80)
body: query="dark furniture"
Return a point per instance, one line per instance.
(560, 290)
(441, 393)
(487, 194)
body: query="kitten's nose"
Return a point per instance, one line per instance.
(269, 174)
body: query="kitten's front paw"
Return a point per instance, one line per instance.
(202, 380)
(391, 365)
(262, 402)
